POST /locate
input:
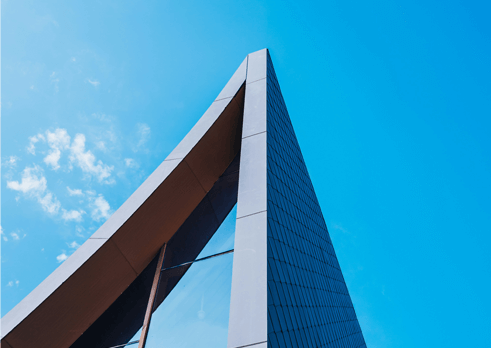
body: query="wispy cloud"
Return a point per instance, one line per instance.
(4, 237)
(86, 160)
(50, 203)
(11, 162)
(101, 145)
(130, 163)
(339, 228)
(143, 135)
(62, 257)
(55, 80)
(12, 283)
(14, 236)
(57, 141)
(32, 181)
(74, 192)
(101, 208)
(79, 231)
(94, 83)
(31, 148)
(72, 215)
(33, 184)
(73, 245)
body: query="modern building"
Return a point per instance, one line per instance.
(275, 283)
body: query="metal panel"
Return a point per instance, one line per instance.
(53, 323)
(252, 176)
(256, 65)
(136, 199)
(255, 107)
(119, 323)
(248, 303)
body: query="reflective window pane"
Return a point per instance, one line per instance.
(224, 237)
(195, 312)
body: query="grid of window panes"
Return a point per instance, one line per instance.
(308, 301)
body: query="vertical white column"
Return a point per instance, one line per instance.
(248, 323)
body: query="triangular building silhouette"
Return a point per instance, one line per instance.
(287, 289)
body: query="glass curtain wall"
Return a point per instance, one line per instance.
(195, 312)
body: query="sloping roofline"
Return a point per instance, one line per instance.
(79, 291)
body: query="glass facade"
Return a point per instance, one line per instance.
(194, 297)
(196, 311)
(308, 301)
(224, 237)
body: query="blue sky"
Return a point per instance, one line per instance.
(390, 101)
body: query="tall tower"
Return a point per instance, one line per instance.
(286, 285)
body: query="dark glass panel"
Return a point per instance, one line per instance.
(224, 237)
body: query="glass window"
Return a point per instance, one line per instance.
(224, 237)
(195, 313)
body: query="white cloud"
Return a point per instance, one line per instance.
(101, 208)
(11, 162)
(4, 237)
(79, 231)
(11, 283)
(57, 141)
(14, 236)
(73, 245)
(94, 83)
(55, 81)
(31, 148)
(339, 228)
(101, 145)
(52, 158)
(32, 181)
(50, 203)
(72, 215)
(62, 257)
(143, 132)
(74, 192)
(131, 163)
(86, 160)
(34, 185)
